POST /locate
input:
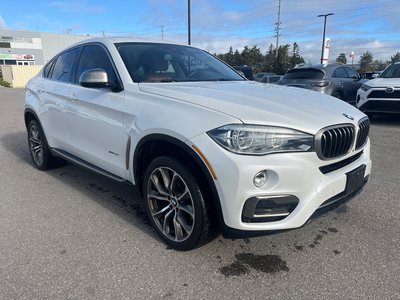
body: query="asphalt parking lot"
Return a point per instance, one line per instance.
(71, 234)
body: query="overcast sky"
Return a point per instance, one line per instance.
(359, 26)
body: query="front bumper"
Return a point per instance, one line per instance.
(368, 104)
(294, 174)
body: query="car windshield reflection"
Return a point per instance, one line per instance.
(152, 62)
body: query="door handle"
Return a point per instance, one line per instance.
(72, 97)
(41, 90)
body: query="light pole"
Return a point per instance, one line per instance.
(323, 37)
(189, 38)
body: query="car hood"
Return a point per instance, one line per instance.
(263, 104)
(384, 82)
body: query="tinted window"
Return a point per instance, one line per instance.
(351, 73)
(92, 57)
(304, 73)
(391, 72)
(340, 73)
(63, 66)
(47, 69)
(148, 62)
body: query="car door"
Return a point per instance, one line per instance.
(343, 83)
(52, 89)
(354, 86)
(95, 115)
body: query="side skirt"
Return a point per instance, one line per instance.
(80, 162)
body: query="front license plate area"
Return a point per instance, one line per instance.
(355, 179)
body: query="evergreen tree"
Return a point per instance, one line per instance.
(237, 59)
(366, 62)
(379, 65)
(282, 63)
(229, 56)
(295, 58)
(342, 58)
(395, 58)
(269, 58)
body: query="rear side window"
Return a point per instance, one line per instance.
(64, 65)
(304, 73)
(93, 57)
(47, 69)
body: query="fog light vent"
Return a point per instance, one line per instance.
(268, 208)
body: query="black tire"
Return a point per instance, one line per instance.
(176, 205)
(39, 150)
(370, 115)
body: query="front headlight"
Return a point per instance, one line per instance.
(261, 140)
(365, 87)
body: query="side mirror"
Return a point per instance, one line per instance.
(94, 78)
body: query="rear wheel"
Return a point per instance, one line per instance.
(176, 205)
(39, 149)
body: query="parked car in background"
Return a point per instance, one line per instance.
(370, 75)
(270, 78)
(260, 75)
(247, 71)
(382, 94)
(335, 79)
(208, 150)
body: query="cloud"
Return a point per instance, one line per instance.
(76, 7)
(2, 23)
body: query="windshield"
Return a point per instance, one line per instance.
(392, 71)
(304, 73)
(152, 62)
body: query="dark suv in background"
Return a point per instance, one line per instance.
(335, 79)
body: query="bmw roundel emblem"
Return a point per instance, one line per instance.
(348, 117)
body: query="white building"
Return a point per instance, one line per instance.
(32, 48)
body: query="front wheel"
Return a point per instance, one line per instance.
(176, 205)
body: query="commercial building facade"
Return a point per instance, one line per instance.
(32, 48)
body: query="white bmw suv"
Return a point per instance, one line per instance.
(209, 150)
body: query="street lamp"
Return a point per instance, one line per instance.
(189, 33)
(323, 37)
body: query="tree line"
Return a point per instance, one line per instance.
(288, 57)
(367, 62)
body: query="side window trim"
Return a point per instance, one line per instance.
(50, 65)
(73, 63)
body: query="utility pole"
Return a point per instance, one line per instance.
(323, 36)
(103, 34)
(189, 41)
(277, 28)
(162, 32)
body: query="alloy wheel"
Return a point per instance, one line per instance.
(171, 204)
(36, 145)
